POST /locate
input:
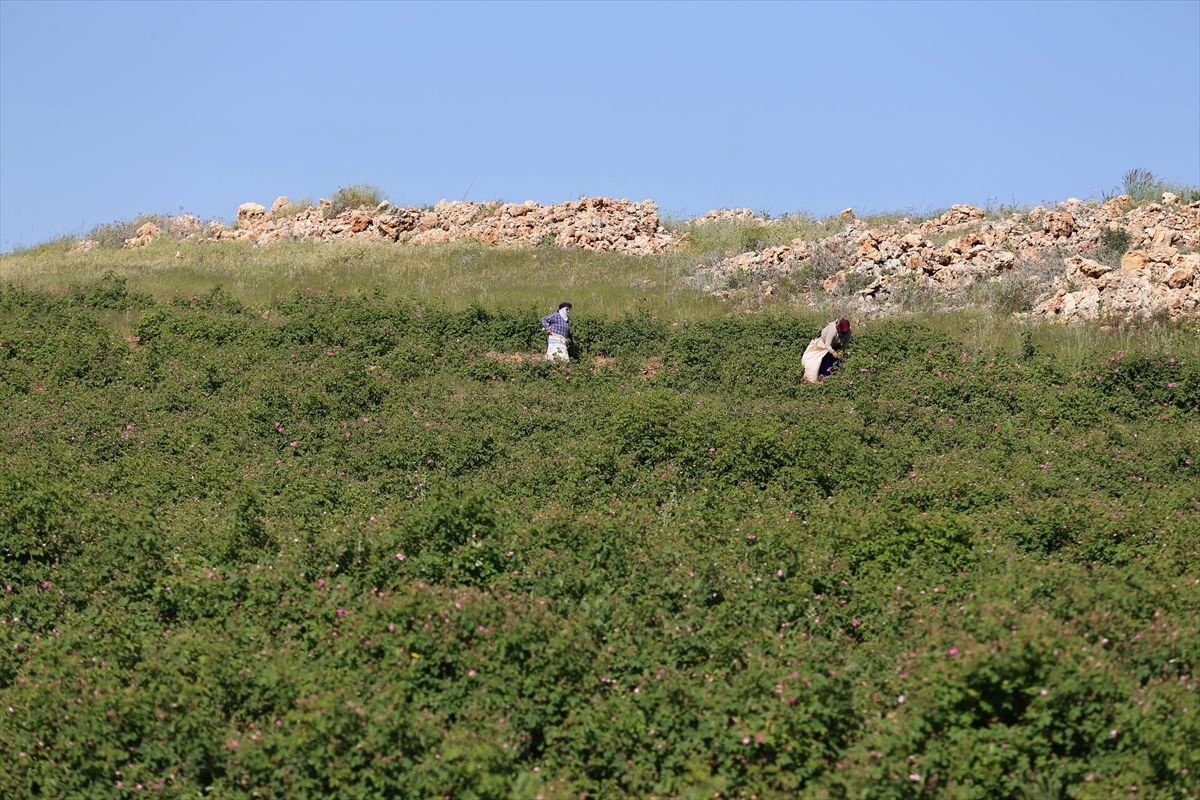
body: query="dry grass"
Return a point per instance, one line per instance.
(455, 275)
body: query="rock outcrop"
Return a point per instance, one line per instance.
(596, 223)
(743, 216)
(1067, 250)
(146, 234)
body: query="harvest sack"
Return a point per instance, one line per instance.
(556, 348)
(813, 355)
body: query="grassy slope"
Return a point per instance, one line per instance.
(997, 525)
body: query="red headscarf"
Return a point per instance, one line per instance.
(843, 325)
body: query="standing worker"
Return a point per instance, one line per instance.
(558, 332)
(825, 352)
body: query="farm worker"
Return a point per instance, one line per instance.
(558, 331)
(825, 352)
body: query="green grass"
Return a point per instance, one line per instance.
(456, 276)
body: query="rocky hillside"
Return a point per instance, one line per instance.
(1111, 260)
(1075, 261)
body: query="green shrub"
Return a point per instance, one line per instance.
(346, 545)
(359, 195)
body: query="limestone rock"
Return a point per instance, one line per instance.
(1088, 267)
(1059, 224)
(147, 233)
(250, 213)
(1179, 277)
(1134, 261)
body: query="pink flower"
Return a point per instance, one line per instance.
(751, 537)
(953, 651)
(400, 556)
(778, 573)
(320, 581)
(341, 612)
(854, 623)
(1045, 467)
(292, 444)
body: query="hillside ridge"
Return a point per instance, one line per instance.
(1075, 261)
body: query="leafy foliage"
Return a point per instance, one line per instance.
(350, 546)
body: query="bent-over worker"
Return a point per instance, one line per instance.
(825, 353)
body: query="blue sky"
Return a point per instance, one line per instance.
(108, 110)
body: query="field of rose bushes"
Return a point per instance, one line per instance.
(348, 546)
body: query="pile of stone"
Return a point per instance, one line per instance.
(740, 216)
(595, 223)
(871, 270)
(1155, 282)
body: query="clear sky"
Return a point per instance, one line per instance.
(108, 110)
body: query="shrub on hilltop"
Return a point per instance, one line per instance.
(359, 195)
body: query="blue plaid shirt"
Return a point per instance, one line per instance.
(556, 324)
